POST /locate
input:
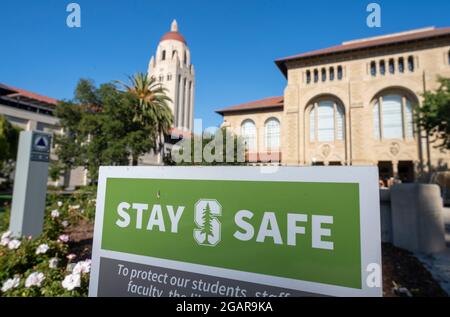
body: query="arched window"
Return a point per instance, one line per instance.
(169, 77)
(448, 57)
(272, 134)
(164, 55)
(393, 117)
(161, 78)
(324, 74)
(401, 65)
(248, 132)
(331, 73)
(391, 66)
(410, 63)
(326, 121)
(339, 72)
(173, 53)
(382, 68)
(373, 68)
(316, 75)
(308, 76)
(184, 58)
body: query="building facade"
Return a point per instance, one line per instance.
(172, 67)
(30, 111)
(351, 104)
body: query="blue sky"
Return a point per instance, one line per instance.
(233, 42)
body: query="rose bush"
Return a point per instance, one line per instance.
(45, 265)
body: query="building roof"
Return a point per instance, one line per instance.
(5, 90)
(173, 36)
(25, 95)
(372, 42)
(266, 103)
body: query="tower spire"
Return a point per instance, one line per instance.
(174, 26)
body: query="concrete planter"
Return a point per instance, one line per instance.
(417, 218)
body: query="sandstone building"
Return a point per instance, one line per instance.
(351, 104)
(172, 67)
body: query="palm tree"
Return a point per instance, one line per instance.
(151, 109)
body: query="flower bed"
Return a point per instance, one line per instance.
(45, 266)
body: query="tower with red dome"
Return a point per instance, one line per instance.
(172, 67)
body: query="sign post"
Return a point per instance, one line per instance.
(30, 184)
(232, 231)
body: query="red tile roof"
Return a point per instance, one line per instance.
(173, 35)
(267, 103)
(377, 41)
(30, 95)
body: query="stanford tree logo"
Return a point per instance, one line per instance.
(207, 232)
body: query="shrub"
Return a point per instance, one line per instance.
(43, 266)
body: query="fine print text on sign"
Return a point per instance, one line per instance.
(232, 231)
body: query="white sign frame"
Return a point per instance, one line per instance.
(370, 234)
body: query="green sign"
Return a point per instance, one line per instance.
(285, 232)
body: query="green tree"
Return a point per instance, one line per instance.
(434, 115)
(150, 106)
(9, 140)
(101, 128)
(207, 222)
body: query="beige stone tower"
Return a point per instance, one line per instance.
(172, 67)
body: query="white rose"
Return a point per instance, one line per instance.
(6, 235)
(71, 281)
(14, 244)
(82, 267)
(4, 242)
(55, 213)
(34, 279)
(63, 238)
(43, 248)
(10, 284)
(60, 203)
(53, 263)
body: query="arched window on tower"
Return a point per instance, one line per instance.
(169, 77)
(163, 55)
(173, 53)
(185, 58)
